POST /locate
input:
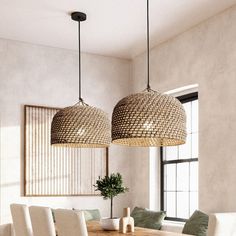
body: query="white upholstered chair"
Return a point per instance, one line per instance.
(222, 224)
(21, 220)
(70, 223)
(42, 221)
(6, 230)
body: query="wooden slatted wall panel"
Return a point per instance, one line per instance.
(57, 171)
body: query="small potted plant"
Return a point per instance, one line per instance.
(110, 187)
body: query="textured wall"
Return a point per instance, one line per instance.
(37, 75)
(205, 55)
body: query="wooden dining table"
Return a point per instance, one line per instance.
(94, 229)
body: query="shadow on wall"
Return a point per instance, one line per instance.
(12, 180)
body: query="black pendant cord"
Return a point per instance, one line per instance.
(148, 49)
(79, 16)
(79, 57)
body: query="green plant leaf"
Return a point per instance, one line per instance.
(110, 186)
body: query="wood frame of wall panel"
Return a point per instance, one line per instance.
(25, 159)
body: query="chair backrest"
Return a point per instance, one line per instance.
(6, 230)
(222, 224)
(21, 220)
(70, 223)
(42, 221)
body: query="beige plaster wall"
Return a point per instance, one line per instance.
(31, 74)
(204, 55)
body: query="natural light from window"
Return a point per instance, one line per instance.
(179, 165)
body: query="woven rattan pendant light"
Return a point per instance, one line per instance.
(80, 125)
(148, 118)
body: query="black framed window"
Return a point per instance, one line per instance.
(179, 168)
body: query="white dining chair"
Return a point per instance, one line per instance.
(222, 224)
(42, 221)
(21, 220)
(70, 223)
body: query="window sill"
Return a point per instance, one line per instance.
(171, 222)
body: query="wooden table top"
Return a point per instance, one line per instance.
(94, 229)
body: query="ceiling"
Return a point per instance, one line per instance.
(113, 28)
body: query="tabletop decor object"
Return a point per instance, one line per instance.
(110, 187)
(126, 222)
(149, 118)
(80, 125)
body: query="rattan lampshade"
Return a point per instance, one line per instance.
(81, 126)
(148, 119)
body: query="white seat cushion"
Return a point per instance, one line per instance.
(172, 226)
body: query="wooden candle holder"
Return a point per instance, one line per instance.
(126, 222)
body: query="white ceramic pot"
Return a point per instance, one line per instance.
(110, 224)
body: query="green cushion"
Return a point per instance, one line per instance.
(197, 224)
(93, 214)
(148, 219)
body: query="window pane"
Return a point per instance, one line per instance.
(193, 202)
(170, 184)
(171, 204)
(195, 145)
(185, 150)
(171, 153)
(165, 201)
(183, 205)
(180, 174)
(183, 177)
(187, 107)
(195, 116)
(194, 176)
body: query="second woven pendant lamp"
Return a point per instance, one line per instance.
(80, 125)
(148, 118)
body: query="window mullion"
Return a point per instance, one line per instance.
(170, 159)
